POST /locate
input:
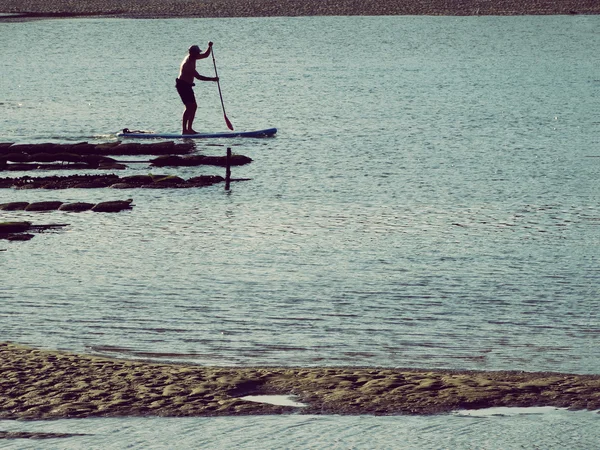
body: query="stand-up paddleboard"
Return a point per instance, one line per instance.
(137, 134)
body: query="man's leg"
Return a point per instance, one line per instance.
(188, 118)
(194, 107)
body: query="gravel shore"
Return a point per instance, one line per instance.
(267, 8)
(42, 384)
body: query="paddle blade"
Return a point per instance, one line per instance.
(228, 123)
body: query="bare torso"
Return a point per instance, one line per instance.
(187, 70)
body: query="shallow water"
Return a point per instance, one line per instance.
(431, 199)
(496, 428)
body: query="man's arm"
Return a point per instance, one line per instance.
(202, 56)
(203, 78)
(206, 54)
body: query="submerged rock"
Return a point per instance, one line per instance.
(199, 160)
(205, 180)
(43, 206)
(14, 227)
(111, 166)
(169, 179)
(20, 148)
(124, 186)
(113, 206)
(57, 161)
(17, 157)
(138, 179)
(14, 206)
(16, 236)
(109, 148)
(76, 207)
(16, 231)
(104, 181)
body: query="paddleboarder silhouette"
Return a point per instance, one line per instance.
(185, 82)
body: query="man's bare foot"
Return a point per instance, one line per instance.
(190, 131)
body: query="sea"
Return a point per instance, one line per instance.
(431, 200)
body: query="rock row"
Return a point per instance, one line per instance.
(110, 206)
(20, 157)
(9, 149)
(112, 181)
(20, 231)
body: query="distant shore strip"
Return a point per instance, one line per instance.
(35, 9)
(44, 384)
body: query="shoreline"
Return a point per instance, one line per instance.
(42, 384)
(40, 9)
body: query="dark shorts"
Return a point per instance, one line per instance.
(186, 92)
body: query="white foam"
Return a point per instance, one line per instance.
(507, 411)
(279, 400)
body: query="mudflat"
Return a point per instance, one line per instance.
(267, 8)
(43, 384)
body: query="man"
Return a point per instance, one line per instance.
(185, 81)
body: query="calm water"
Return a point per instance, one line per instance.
(431, 199)
(494, 429)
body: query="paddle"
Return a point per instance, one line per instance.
(212, 52)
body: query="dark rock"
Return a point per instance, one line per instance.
(137, 179)
(124, 186)
(156, 148)
(46, 166)
(14, 206)
(94, 160)
(82, 148)
(16, 237)
(102, 181)
(170, 179)
(167, 160)
(6, 183)
(161, 148)
(168, 148)
(235, 160)
(76, 207)
(43, 206)
(198, 160)
(52, 185)
(17, 157)
(101, 149)
(14, 227)
(4, 147)
(94, 184)
(70, 157)
(205, 180)
(21, 148)
(42, 157)
(47, 147)
(111, 166)
(113, 206)
(132, 148)
(155, 177)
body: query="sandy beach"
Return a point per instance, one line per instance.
(41, 384)
(267, 8)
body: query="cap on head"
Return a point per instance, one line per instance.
(194, 50)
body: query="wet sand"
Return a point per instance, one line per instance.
(266, 8)
(41, 384)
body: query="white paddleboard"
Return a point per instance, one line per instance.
(136, 134)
